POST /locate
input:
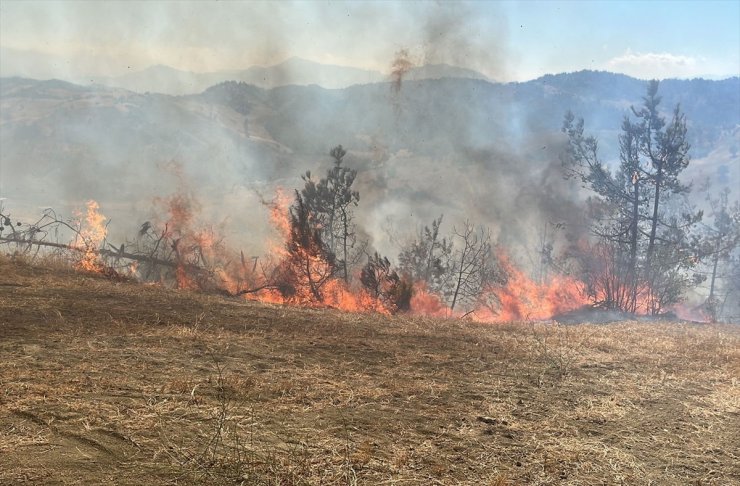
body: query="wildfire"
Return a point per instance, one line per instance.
(278, 208)
(190, 247)
(296, 274)
(694, 314)
(426, 303)
(92, 233)
(302, 276)
(521, 298)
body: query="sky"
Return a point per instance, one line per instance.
(507, 41)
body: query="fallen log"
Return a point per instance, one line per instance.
(135, 257)
(104, 252)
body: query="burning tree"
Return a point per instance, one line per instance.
(329, 201)
(384, 284)
(635, 208)
(310, 264)
(615, 210)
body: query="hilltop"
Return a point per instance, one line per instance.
(113, 381)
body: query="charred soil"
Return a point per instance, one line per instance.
(114, 382)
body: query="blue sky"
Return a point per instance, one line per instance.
(504, 40)
(683, 37)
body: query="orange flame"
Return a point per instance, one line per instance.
(693, 314)
(93, 232)
(334, 292)
(426, 303)
(279, 210)
(521, 298)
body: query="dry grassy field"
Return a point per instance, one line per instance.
(105, 382)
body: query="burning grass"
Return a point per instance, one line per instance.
(118, 382)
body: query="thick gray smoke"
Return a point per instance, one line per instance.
(428, 130)
(453, 35)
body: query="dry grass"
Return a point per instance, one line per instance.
(114, 382)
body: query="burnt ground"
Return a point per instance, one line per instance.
(121, 383)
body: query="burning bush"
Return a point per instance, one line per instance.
(384, 284)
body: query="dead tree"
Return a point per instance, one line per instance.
(473, 266)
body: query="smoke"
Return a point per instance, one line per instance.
(517, 193)
(486, 163)
(426, 140)
(399, 67)
(454, 35)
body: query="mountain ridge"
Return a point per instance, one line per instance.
(292, 71)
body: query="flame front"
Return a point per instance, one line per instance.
(521, 298)
(300, 276)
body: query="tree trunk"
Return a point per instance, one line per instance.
(311, 284)
(459, 282)
(345, 235)
(428, 269)
(654, 219)
(714, 268)
(633, 246)
(460, 273)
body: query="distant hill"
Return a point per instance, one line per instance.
(294, 71)
(433, 114)
(442, 71)
(164, 79)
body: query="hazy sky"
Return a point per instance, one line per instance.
(504, 40)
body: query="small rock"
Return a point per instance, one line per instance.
(487, 420)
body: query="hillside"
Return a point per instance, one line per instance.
(116, 382)
(64, 143)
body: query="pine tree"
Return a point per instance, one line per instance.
(330, 201)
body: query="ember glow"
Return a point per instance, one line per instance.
(426, 303)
